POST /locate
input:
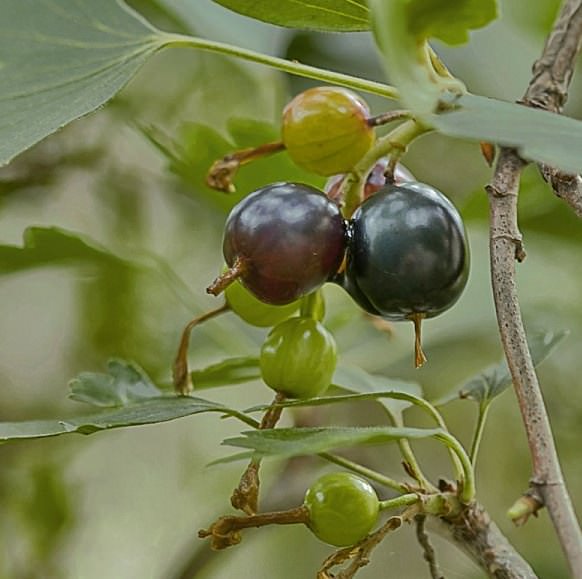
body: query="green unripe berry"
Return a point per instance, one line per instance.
(298, 358)
(253, 311)
(343, 508)
(326, 130)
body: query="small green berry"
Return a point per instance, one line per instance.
(298, 358)
(343, 508)
(326, 130)
(253, 311)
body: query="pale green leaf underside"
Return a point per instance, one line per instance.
(330, 15)
(61, 59)
(288, 442)
(147, 411)
(129, 397)
(538, 135)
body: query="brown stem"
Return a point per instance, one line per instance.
(388, 117)
(419, 357)
(180, 372)
(225, 532)
(505, 245)
(358, 556)
(238, 268)
(548, 90)
(427, 548)
(222, 172)
(245, 496)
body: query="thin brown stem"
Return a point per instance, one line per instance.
(427, 548)
(245, 496)
(229, 276)
(419, 357)
(223, 171)
(388, 117)
(225, 532)
(548, 90)
(180, 372)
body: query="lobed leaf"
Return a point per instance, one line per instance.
(493, 381)
(288, 442)
(131, 399)
(326, 15)
(538, 135)
(146, 411)
(45, 246)
(60, 60)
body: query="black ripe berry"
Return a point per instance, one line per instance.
(283, 241)
(408, 257)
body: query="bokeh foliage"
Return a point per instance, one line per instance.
(129, 503)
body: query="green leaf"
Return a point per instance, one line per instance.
(147, 411)
(493, 381)
(327, 15)
(123, 384)
(288, 442)
(538, 135)
(448, 20)
(44, 246)
(355, 379)
(198, 146)
(61, 59)
(226, 373)
(402, 29)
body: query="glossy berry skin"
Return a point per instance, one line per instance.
(375, 180)
(408, 252)
(290, 238)
(253, 311)
(343, 508)
(298, 358)
(326, 130)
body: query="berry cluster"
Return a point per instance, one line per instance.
(402, 254)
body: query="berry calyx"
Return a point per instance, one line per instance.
(326, 130)
(282, 241)
(298, 358)
(343, 508)
(253, 311)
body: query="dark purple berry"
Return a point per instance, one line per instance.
(408, 252)
(285, 240)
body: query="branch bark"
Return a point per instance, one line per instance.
(548, 89)
(479, 537)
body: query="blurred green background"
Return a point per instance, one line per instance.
(128, 504)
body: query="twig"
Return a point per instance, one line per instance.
(548, 89)
(428, 550)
